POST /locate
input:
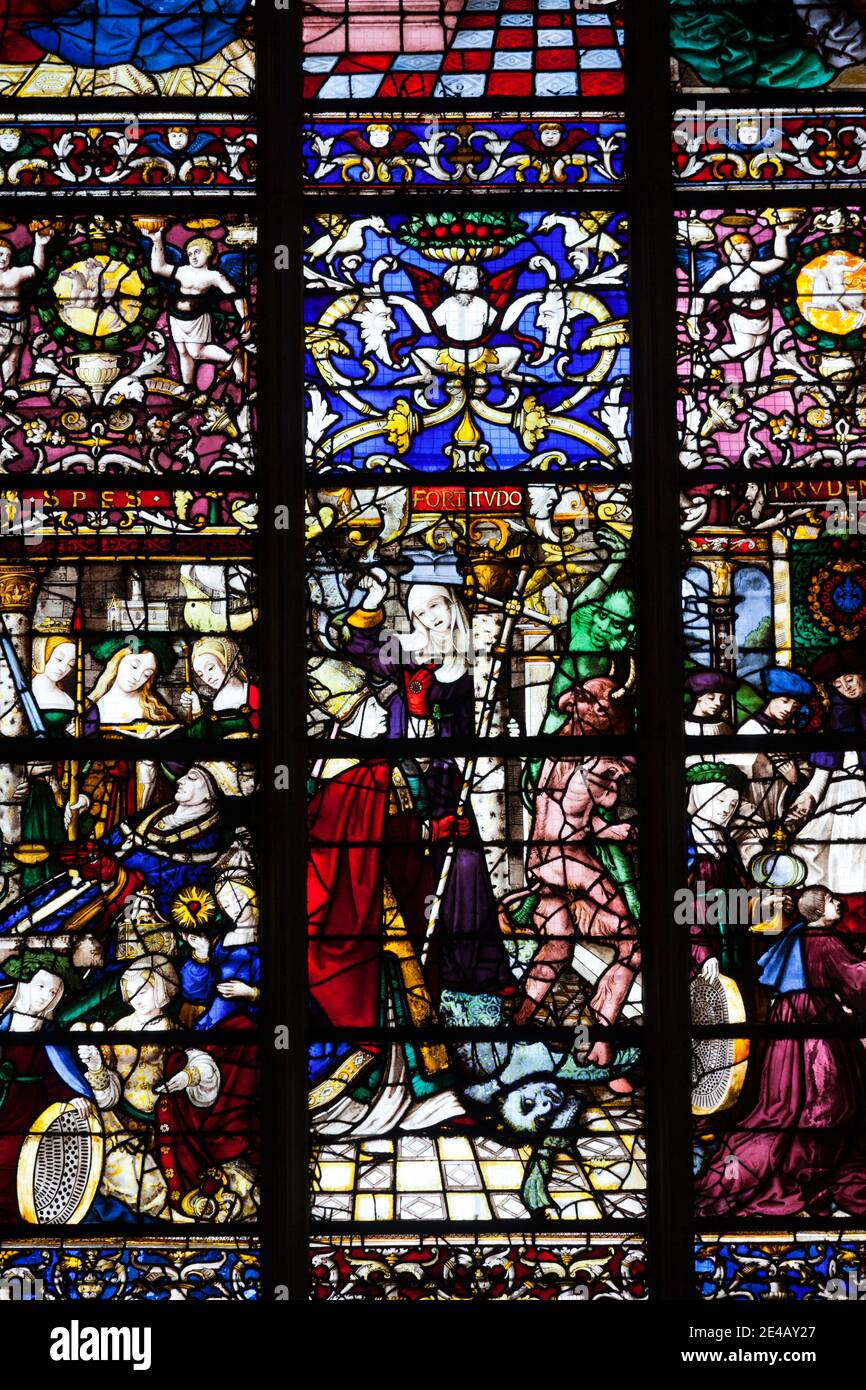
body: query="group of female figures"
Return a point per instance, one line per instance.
(124, 702)
(405, 926)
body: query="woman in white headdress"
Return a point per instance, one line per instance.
(423, 677)
(715, 868)
(222, 976)
(147, 987)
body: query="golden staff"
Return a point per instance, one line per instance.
(74, 766)
(184, 648)
(512, 611)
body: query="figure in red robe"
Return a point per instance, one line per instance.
(379, 840)
(348, 821)
(802, 1149)
(194, 1142)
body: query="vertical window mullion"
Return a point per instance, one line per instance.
(649, 192)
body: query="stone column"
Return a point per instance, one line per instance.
(18, 585)
(723, 655)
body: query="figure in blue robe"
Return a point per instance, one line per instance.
(155, 37)
(166, 859)
(199, 981)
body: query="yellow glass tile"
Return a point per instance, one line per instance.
(336, 1177)
(455, 1146)
(501, 1175)
(374, 1206)
(418, 1175)
(468, 1206)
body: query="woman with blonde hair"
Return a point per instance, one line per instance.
(231, 700)
(124, 703)
(52, 661)
(124, 700)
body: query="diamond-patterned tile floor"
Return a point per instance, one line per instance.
(466, 1178)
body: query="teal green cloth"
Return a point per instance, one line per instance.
(41, 824)
(746, 43)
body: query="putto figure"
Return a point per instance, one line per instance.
(14, 317)
(133, 329)
(193, 284)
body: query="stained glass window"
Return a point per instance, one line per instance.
(534, 584)
(746, 45)
(471, 49)
(476, 1059)
(770, 331)
(129, 894)
(129, 344)
(772, 579)
(769, 350)
(462, 1268)
(432, 657)
(486, 340)
(126, 643)
(216, 1268)
(446, 151)
(804, 148)
(74, 153)
(131, 702)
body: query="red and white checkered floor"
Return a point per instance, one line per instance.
(501, 48)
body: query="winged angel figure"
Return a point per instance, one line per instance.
(534, 345)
